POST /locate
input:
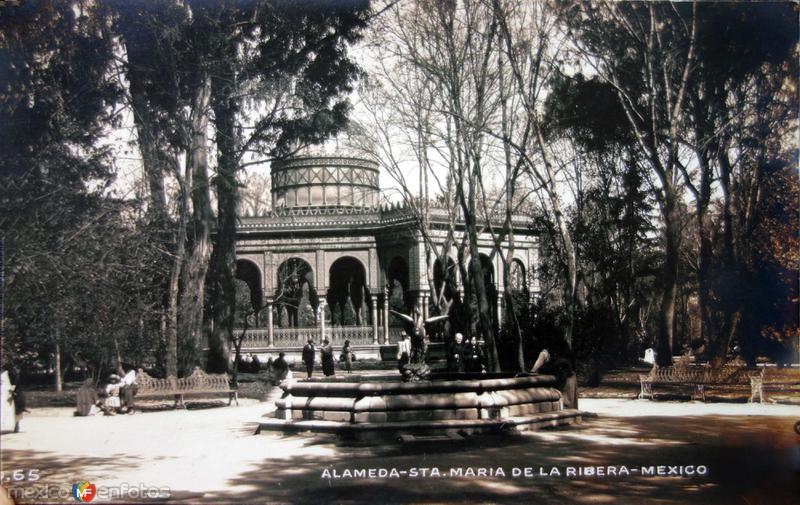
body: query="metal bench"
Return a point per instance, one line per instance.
(198, 383)
(699, 377)
(781, 379)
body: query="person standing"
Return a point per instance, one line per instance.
(309, 352)
(457, 353)
(326, 353)
(7, 409)
(403, 352)
(280, 367)
(473, 355)
(347, 356)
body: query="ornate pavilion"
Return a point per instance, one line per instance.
(331, 258)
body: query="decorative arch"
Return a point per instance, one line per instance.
(248, 271)
(398, 283)
(348, 294)
(362, 257)
(295, 293)
(518, 277)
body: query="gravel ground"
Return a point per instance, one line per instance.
(208, 454)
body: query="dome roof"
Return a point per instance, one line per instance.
(325, 181)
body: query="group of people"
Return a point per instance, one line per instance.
(466, 355)
(249, 363)
(116, 397)
(326, 353)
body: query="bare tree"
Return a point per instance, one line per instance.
(447, 52)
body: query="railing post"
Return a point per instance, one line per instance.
(386, 316)
(321, 316)
(375, 319)
(270, 330)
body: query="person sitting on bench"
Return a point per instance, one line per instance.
(127, 391)
(112, 402)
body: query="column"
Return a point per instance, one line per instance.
(386, 317)
(270, 331)
(500, 296)
(374, 319)
(321, 319)
(426, 298)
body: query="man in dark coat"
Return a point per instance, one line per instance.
(473, 355)
(280, 367)
(326, 353)
(308, 356)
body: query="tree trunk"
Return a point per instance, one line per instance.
(730, 301)
(705, 110)
(476, 280)
(151, 160)
(175, 274)
(59, 384)
(196, 265)
(669, 293)
(571, 272)
(223, 258)
(512, 169)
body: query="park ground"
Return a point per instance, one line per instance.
(749, 454)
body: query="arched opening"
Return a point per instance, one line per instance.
(517, 296)
(249, 295)
(296, 298)
(348, 297)
(397, 281)
(517, 277)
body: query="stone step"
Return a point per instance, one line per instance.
(534, 421)
(410, 439)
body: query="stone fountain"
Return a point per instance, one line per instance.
(381, 407)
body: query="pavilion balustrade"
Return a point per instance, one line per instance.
(298, 336)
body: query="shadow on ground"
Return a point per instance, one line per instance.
(749, 462)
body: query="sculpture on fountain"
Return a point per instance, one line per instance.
(417, 369)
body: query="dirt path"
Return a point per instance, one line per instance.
(751, 454)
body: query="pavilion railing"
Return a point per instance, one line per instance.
(395, 334)
(298, 336)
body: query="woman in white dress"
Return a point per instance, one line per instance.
(7, 420)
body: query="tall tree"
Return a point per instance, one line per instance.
(284, 71)
(736, 81)
(53, 174)
(647, 52)
(166, 53)
(611, 218)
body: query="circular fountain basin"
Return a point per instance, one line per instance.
(447, 404)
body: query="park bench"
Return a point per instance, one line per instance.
(198, 383)
(772, 379)
(699, 377)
